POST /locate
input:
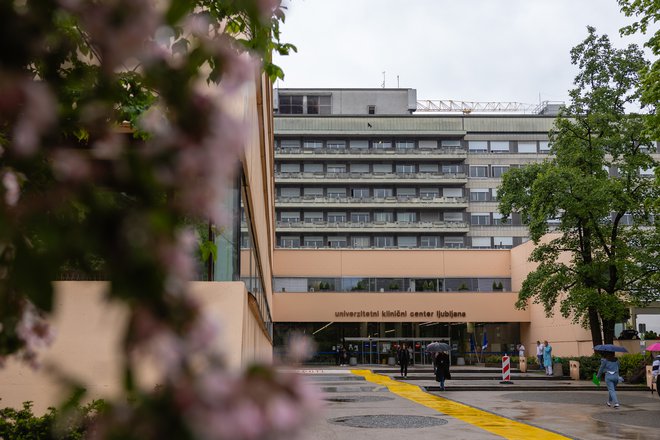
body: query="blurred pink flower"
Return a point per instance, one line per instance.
(36, 114)
(70, 165)
(12, 188)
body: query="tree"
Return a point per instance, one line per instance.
(599, 264)
(75, 189)
(648, 12)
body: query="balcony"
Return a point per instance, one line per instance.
(372, 202)
(371, 153)
(375, 226)
(362, 178)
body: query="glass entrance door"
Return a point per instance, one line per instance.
(378, 351)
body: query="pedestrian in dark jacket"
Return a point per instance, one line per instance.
(441, 366)
(404, 359)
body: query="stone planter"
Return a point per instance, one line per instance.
(557, 369)
(352, 361)
(391, 360)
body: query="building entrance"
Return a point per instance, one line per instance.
(382, 351)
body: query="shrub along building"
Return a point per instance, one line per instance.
(387, 226)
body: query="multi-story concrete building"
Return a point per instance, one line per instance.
(355, 168)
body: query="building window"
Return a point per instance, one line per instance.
(498, 170)
(290, 143)
(454, 242)
(406, 242)
(313, 167)
(428, 168)
(452, 169)
(289, 217)
(503, 242)
(406, 217)
(359, 168)
(290, 192)
(497, 219)
(313, 242)
(429, 241)
(360, 193)
(290, 242)
(526, 147)
(383, 241)
(314, 192)
(382, 167)
(481, 242)
(477, 146)
(480, 218)
(429, 193)
(313, 145)
(336, 217)
(452, 216)
(336, 168)
(383, 192)
(544, 147)
(337, 242)
(290, 167)
(371, 109)
(405, 168)
(427, 144)
(311, 217)
(405, 145)
(499, 146)
(336, 192)
(450, 144)
(359, 217)
(382, 145)
(479, 195)
(360, 242)
(291, 105)
(387, 217)
(336, 145)
(359, 144)
(478, 171)
(406, 193)
(319, 105)
(452, 192)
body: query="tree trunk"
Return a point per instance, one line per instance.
(608, 331)
(594, 325)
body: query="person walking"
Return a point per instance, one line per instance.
(655, 373)
(404, 359)
(547, 358)
(539, 354)
(441, 367)
(609, 369)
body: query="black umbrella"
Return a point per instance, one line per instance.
(610, 348)
(435, 347)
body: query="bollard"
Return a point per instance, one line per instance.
(506, 370)
(523, 365)
(575, 370)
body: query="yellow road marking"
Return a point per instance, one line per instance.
(507, 428)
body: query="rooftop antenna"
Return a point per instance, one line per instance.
(383, 85)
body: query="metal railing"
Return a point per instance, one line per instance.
(370, 200)
(311, 225)
(443, 151)
(367, 176)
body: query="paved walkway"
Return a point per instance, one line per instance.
(366, 405)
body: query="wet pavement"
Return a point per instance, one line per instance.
(369, 406)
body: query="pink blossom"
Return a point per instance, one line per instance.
(300, 347)
(70, 165)
(36, 115)
(283, 414)
(12, 188)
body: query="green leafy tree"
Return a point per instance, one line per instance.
(598, 264)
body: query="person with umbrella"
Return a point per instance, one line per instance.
(609, 370)
(404, 359)
(441, 365)
(655, 367)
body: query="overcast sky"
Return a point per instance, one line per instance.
(472, 50)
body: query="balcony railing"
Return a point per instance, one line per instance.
(344, 177)
(373, 226)
(392, 201)
(371, 152)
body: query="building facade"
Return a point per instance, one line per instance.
(388, 230)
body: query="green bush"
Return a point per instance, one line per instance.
(629, 364)
(24, 425)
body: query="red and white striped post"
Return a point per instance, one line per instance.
(506, 370)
